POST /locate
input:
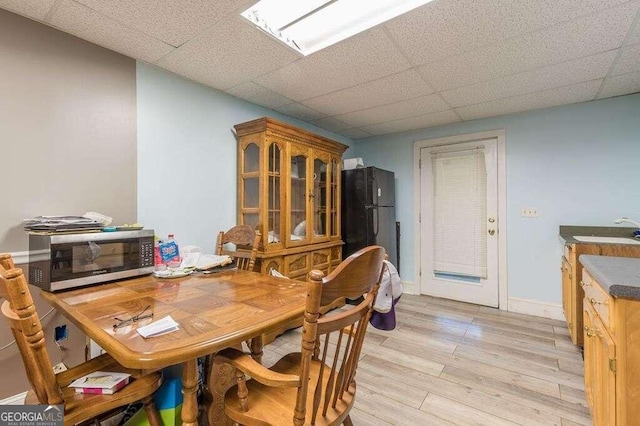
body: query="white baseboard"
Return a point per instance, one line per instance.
(14, 400)
(410, 288)
(536, 308)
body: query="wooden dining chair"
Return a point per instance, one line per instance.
(316, 385)
(50, 388)
(246, 246)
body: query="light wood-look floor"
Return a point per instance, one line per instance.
(455, 363)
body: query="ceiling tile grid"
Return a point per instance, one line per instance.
(172, 21)
(332, 124)
(446, 28)
(620, 85)
(441, 63)
(364, 57)
(32, 9)
(411, 123)
(628, 61)
(574, 39)
(90, 25)
(634, 36)
(228, 54)
(580, 92)
(300, 111)
(564, 74)
(257, 94)
(389, 112)
(396, 87)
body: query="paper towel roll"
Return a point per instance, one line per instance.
(352, 163)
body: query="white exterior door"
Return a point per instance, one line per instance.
(459, 221)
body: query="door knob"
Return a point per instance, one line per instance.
(492, 231)
(491, 220)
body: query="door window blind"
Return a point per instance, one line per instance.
(460, 212)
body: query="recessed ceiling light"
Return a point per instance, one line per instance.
(310, 25)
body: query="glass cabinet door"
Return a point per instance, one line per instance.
(274, 195)
(250, 185)
(298, 229)
(320, 201)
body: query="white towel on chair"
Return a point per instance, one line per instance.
(390, 289)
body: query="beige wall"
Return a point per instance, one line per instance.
(67, 146)
(68, 132)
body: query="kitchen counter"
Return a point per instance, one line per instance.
(567, 232)
(619, 276)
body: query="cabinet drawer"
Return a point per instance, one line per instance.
(594, 295)
(336, 255)
(320, 258)
(297, 265)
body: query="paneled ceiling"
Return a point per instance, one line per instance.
(445, 62)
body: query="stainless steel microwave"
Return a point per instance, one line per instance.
(66, 261)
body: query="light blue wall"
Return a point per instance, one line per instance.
(578, 164)
(187, 155)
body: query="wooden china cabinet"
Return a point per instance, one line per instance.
(289, 192)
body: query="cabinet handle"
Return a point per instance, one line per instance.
(595, 302)
(588, 331)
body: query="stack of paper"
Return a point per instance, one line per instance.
(100, 382)
(208, 261)
(157, 328)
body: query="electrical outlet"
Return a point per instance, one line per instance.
(60, 333)
(529, 212)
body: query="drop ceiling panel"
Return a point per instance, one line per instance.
(621, 85)
(172, 21)
(397, 87)
(36, 9)
(90, 25)
(228, 54)
(355, 133)
(581, 92)
(257, 94)
(411, 123)
(300, 111)
(564, 74)
(629, 60)
(634, 37)
(409, 108)
(575, 39)
(361, 58)
(331, 124)
(448, 28)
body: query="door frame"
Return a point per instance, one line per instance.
(499, 135)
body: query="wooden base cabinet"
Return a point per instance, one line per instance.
(611, 356)
(289, 192)
(572, 293)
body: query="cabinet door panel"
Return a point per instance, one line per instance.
(567, 305)
(606, 383)
(298, 229)
(590, 358)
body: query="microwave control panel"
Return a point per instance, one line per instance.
(146, 252)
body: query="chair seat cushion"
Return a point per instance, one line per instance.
(275, 406)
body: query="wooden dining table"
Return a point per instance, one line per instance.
(213, 312)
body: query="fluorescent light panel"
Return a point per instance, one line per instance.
(310, 25)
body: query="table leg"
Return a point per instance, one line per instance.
(256, 348)
(189, 393)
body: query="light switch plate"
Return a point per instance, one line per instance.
(529, 212)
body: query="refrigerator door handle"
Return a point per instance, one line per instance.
(376, 221)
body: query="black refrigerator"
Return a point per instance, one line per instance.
(368, 211)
